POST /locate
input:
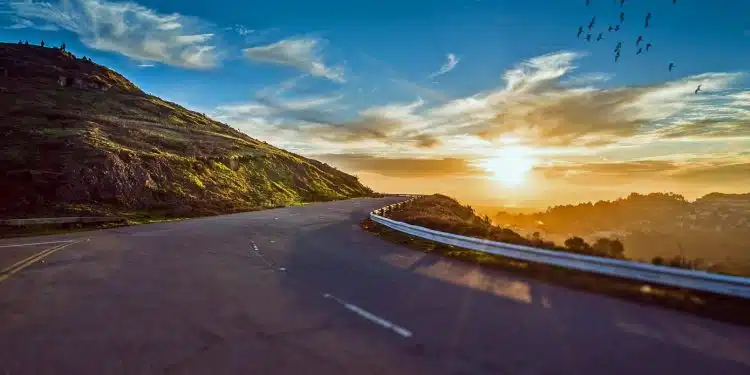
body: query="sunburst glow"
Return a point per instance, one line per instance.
(510, 166)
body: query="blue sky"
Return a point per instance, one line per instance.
(459, 79)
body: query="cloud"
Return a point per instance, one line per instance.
(242, 30)
(541, 102)
(628, 169)
(716, 170)
(22, 23)
(146, 65)
(129, 29)
(734, 172)
(447, 67)
(426, 141)
(538, 104)
(302, 53)
(403, 167)
(388, 124)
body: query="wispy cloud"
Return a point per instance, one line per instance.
(303, 53)
(242, 30)
(449, 65)
(146, 65)
(404, 167)
(129, 29)
(22, 23)
(719, 170)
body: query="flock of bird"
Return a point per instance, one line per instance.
(618, 48)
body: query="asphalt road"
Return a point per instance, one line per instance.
(303, 290)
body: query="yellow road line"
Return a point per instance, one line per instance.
(24, 260)
(24, 263)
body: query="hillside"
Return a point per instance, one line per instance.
(713, 228)
(445, 214)
(77, 137)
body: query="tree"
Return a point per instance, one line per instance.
(609, 248)
(42, 44)
(657, 261)
(577, 244)
(62, 47)
(536, 237)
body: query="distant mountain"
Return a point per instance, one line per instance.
(714, 227)
(77, 137)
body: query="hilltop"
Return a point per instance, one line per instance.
(713, 228)
(79, 138)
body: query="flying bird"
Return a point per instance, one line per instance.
(671, 66)
(593, 21)
(600, 37)
(698, 89)
(619, 47)
(617, 56)
(580, 31)
(622, 2)
(622, 17)
(617, 27)
(648, 47)
(674, 1)
(639, 40)
(610, 29)
(640, 50)
(648, 19)
(588, 37)
(588, 2)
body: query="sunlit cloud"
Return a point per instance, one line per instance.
(129, 29)
(541, 106)
(404, 167)
(303, 53)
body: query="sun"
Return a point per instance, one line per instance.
(510, 166)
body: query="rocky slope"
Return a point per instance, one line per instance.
(77, 137)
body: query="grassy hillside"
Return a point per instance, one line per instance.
(103, 146)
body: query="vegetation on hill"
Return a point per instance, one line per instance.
(103, 146)
(448, 215)
(664, 228)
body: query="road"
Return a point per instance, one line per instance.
(302, 290)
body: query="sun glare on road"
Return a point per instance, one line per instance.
(510, 166)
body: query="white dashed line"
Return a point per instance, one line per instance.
(371, 317)
(258, 254)
(36, 243)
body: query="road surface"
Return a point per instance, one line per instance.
(302, 290)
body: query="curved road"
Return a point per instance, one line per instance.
(302, 290)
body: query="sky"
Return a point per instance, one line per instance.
(492, 102)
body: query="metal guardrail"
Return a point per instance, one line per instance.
(697, 280)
